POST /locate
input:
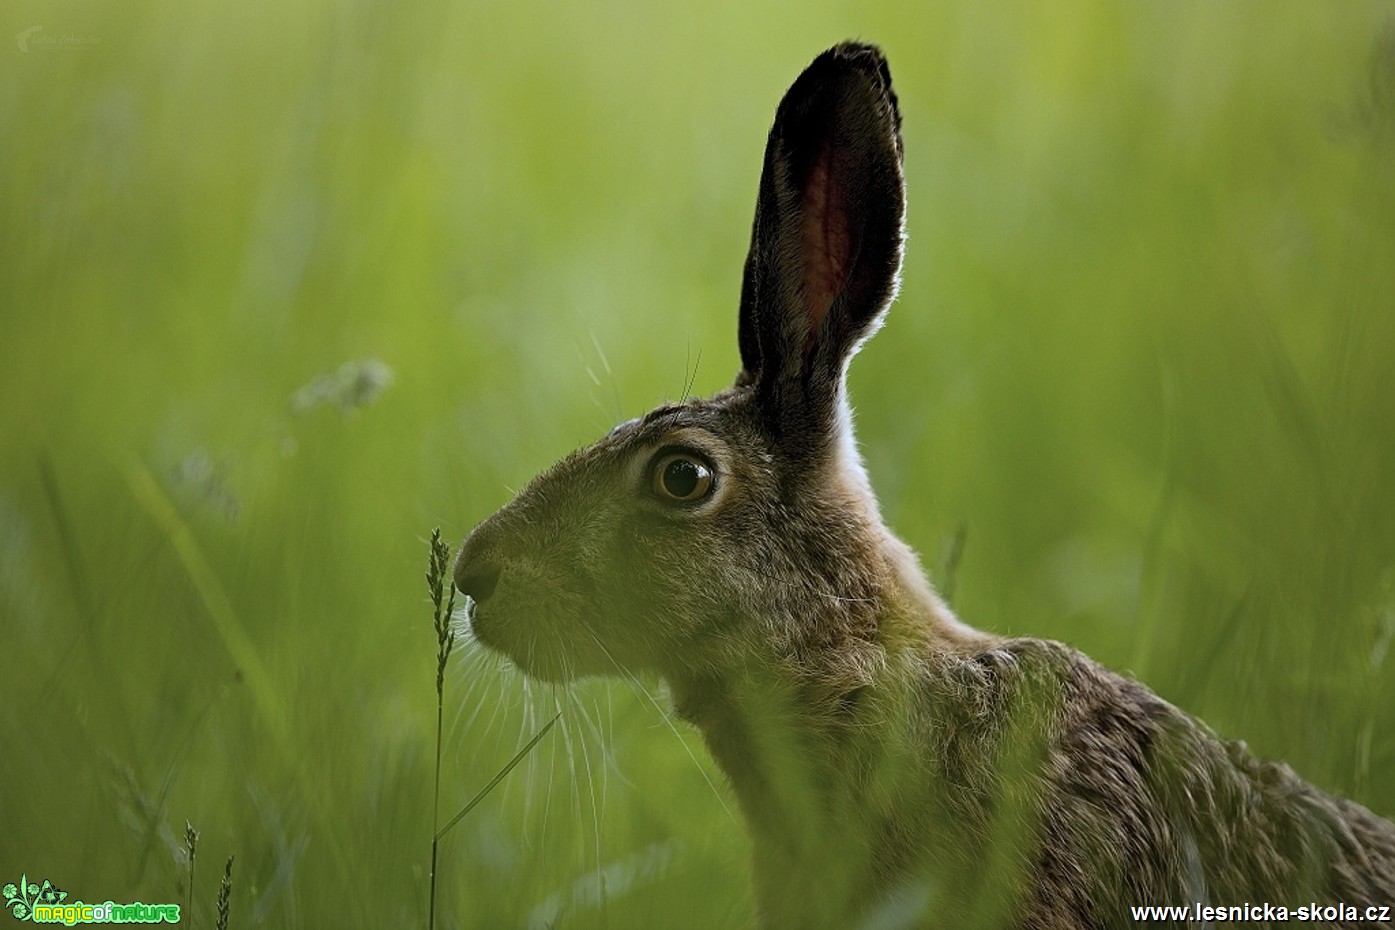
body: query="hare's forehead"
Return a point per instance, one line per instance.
(712, 429)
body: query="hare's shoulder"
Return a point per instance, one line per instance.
(1140, 795)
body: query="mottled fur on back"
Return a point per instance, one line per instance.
(889, 759)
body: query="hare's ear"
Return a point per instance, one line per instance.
(826, 243)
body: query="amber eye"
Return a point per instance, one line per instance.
(681, 477)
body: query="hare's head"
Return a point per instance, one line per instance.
(713, 531)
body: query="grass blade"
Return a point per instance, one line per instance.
(518, 757)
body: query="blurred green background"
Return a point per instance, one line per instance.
(282, 287)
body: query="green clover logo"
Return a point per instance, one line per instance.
(21, 898)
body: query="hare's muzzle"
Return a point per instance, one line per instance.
(520, 605)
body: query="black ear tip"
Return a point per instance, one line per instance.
(868, 59)
(860, 53)
(857, 55)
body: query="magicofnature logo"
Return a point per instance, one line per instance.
(44, 904)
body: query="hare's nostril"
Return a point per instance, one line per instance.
(478, 582)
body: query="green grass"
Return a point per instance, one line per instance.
(1142, 355)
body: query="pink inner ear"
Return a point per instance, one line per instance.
(827, 242)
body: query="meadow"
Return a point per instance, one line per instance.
(285, 287)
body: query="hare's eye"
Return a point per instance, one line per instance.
(681, 477)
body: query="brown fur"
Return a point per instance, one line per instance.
(889, 759)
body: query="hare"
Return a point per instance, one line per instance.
(894, 766)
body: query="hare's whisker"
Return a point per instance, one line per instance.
(691, 376)
(595, 806)
(629, 677)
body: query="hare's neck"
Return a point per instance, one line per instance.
(785, 751)
(813, 786)
(821, 748)
(794, 732)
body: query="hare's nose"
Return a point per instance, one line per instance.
(478, 581)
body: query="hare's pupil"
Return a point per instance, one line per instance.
(681, 478)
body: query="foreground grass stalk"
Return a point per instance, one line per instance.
(443, 604)
(191, 848)
(224, 893)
